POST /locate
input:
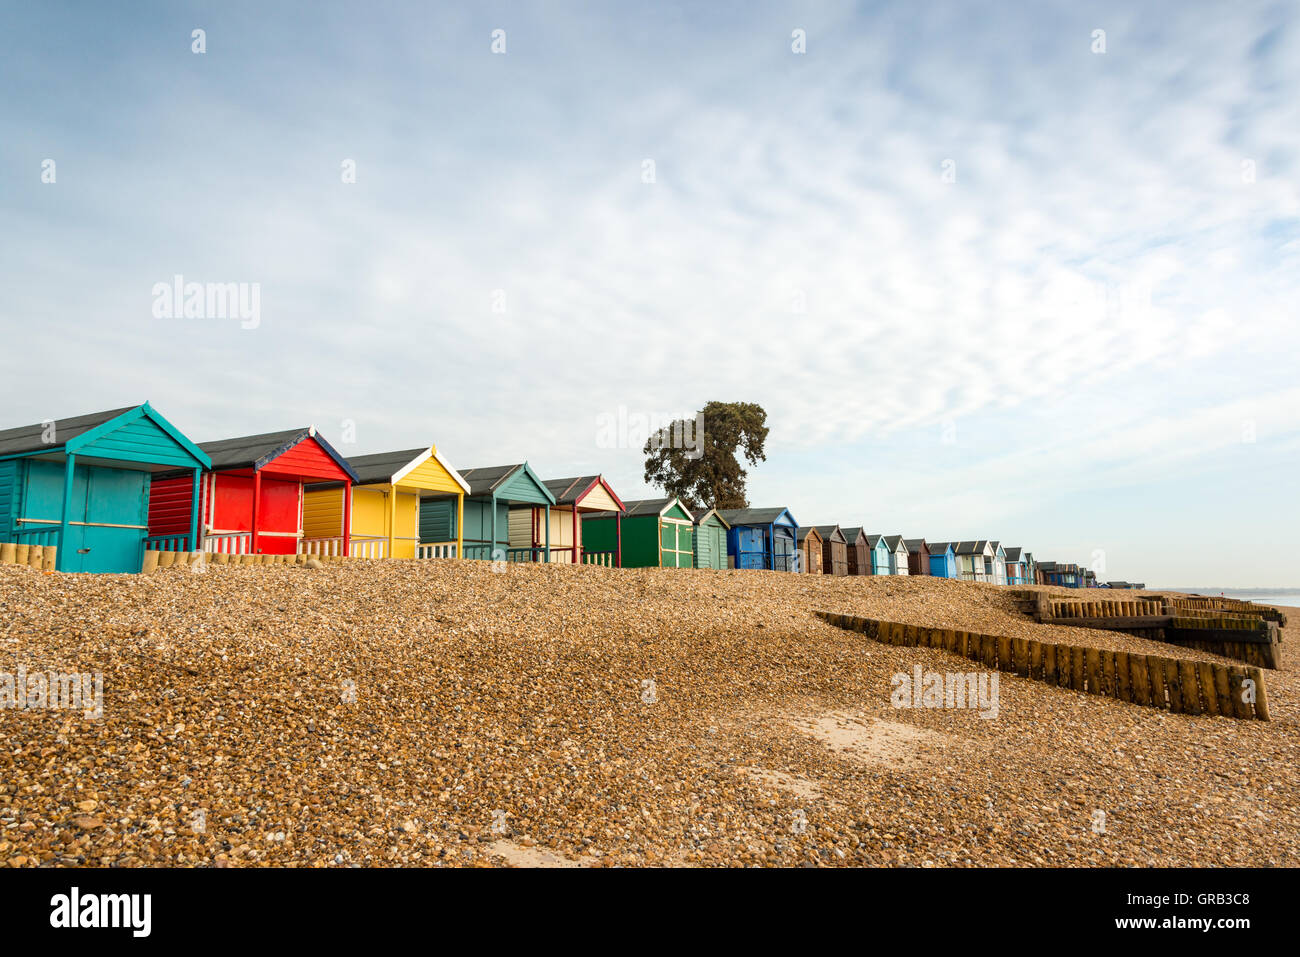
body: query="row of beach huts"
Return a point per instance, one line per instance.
(102, 489)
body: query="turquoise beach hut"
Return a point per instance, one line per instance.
(82, 485)
(881, 554)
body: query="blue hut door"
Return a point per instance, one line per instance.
(751, 548)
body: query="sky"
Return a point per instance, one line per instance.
(991, 273)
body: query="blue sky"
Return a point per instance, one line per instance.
(1083, 344)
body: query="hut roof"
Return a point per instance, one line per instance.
(27, 438)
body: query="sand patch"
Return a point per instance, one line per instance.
(517, 855)
(871, 740)
(785, 782)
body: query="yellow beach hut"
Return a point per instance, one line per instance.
(385, 506)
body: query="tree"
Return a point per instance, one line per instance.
(696, 459)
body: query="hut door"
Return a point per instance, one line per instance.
(751, 548)
(783, 551)
(116, 517)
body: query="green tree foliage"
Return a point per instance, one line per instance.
(704, 469)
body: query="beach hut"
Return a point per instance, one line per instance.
(918, 556)
(761, 537)
(857, 551)
(973, 560)
(1015, 564)
(484, 527)
(657, 533)
(810, 550)
(251, 499)
(81, 485)
(385, 506)
(1065, 574)
(880, 554)
(835, 550)
(943, 561)
(710, 538)
(897, 555)
(996, 566)
(575, 499)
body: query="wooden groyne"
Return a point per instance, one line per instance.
(1173, 684)
(1222, 626)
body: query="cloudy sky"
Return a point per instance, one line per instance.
(987, 280)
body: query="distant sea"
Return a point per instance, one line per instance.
(1261, 596)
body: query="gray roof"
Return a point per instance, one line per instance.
(914, 545)
(805, 529)
(27, 438)
(893, 541)
(484, 481)
(829, 532)
(382, 466)
(1013, 553)
(567, 490)
(246, 451)
(751, 516)
(939, 548)
(874, 540)
(702, 513)
(638, 506)
(851, 534)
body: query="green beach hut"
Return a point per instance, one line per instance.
(710, 538)
(657, 533)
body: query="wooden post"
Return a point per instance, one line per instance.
(69, 478)
(547, 556)
(618, 539)
(1190, 687)
(577, 556)
(460, 524)
(1093, 657)
(392, 521)
(1209, 696)
(492, 548)
(1173, 684)
(195, 544)
(1156, 675)
(1261, 695)
(1123, 677)
(257, 504)
(347, 517)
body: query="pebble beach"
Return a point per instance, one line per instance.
(443, 713)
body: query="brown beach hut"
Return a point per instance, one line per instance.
(859, 552)
(835, 550)
(810, 550)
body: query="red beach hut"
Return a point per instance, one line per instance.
(252, 498)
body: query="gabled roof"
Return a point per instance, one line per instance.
(1013, 553)
(940, 548)
(755, 516)
(702, 515)
(805, 530)
(257, 451)
(914, 545)
(969, 548)
(894, 541)
(830, 533)
(485, 481)
(27, 438)
(643, 506)
(384, 468)
(77, 432)
(569, 491)
(874, 540)
(851, 535)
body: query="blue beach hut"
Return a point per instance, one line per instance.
(943, 561)
(761, 537)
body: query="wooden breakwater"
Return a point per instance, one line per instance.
(1174, 684)
(1222, 626)
(44, 557)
